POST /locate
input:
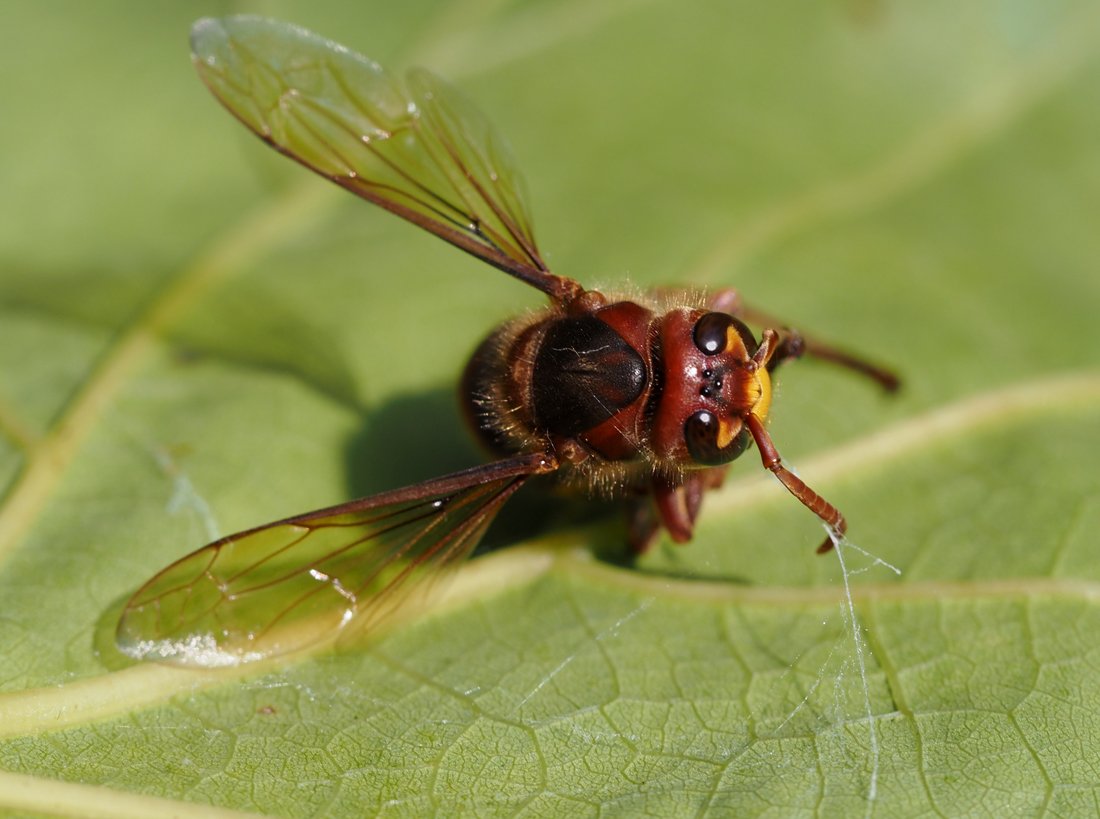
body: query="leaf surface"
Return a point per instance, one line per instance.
(197, 337)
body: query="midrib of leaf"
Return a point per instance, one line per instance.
(48, 457)
(987, 113)
(119, 692)
(275, 222)
(520, 36)
(34, 711)
(49, 796)
(15, 429)
(984, 411)
(918, 160)
(911, 165)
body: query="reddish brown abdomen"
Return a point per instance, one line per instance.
(584, 378)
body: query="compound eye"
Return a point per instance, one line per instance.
(711, 442)
(715, 333)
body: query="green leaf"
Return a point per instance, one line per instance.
(197, 337)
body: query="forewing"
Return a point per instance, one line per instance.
(418, 149)
(280, 587)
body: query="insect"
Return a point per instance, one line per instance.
(647, 398)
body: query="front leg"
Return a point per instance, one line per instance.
(673, 506)
(793, 344)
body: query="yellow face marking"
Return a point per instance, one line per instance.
(764, 402)
(727, 431)
(734, 342)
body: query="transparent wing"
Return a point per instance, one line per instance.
(418, 149)
(280, 587)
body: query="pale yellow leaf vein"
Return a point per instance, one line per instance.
(147, 684)
(292, 213)
(117, 693)
(1000, 408)
(13, 427)
(41, 796)
(989, 112)
(48, 460)
(487, 46)
(114, 694)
